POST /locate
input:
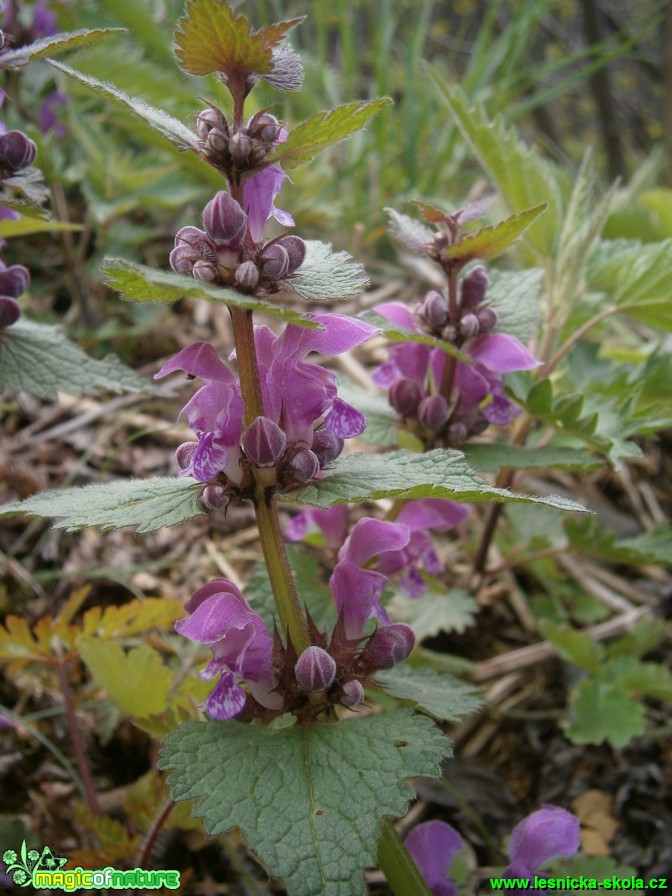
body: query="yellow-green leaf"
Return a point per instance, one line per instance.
(137, 682)
(491, 241)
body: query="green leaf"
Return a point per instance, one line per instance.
(138, 682)
(209, 38)
(409, 231)
(322, 130)
(326, 275)
(55, 43)
(651, 679)
(29, 182)
(146, 504)
(172, 129)
(488, 242)
(491, 458)
(307, 800)
(394, 333)
(30, 223)
(604, 711)
(652, 546)
(443, 696)
(449, 611)
(516, 297)
(140, 283)
(39, 359)
(574, 646)
(441, 473)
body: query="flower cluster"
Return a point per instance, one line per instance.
(304, 423)
(546, 834)
(260, 677)
(14, 281)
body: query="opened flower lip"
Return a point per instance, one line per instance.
(433, 845)
(546, 834)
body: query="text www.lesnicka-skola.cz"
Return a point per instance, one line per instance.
(578, 883)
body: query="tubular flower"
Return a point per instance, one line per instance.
(546, 834)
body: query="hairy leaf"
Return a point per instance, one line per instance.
(170, 128)
(326, 275)
(395, 333)
(146, 504)
(491, 458)
(441, 473)
(307, 800)
(137, 682)
(39, 359)
(322, 130)
(515, 296)
(488, 242)
(443, 696)
(409, 231)
(140, 283)
(449, 611)
(53, 44)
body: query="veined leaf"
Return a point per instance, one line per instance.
(441, 695)
(515, 296)
(137, 682)
(172, 129)
(210, 38)
(146, 504)
(441, 473)
(446, 611)
(488, 242)
(140, 283)
(491, 458)
(38, 359)
(54, 43)
(308, 799)
(326, 275)
(324, 129)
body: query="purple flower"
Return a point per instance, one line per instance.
(546, 834)
(433, 845)
(357, 590)
(241, 648)
(333, 522)
(48, 118)
(259, 192)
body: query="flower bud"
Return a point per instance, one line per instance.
(185, 453)
(16, 151)
(203, 270)
(295, 248)
(14, 280)
(474, 286)
(182, 259)
(214, 496)
(209, 119)
(457, 433)
(326, 447)
(434, 309)
(217, 141)
(388, 645)
(469, 325)
(240, 147)
(274, 262)
(247, 275)
(352, 693)
(225, 221)
(263, 126)
(315, 670)
(487, 317)
(264, 443)
(433, 412)
(194, 238)
(10, 311)
(304, 465)
(405, 395)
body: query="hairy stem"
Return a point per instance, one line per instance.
(78, 746)
(145, 854)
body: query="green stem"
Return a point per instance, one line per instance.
(399, 869)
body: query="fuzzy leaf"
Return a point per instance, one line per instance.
(412, 233)
(172, 129)
(441, 473)
(209, 38)
(137, 682)
(146, 504)
(493, 457)
(443, 696)
(307, 800)
(488, 242)
(515, 296)
(449, 611)
(39, 359)
(140, 283)
(54, 43)
(326, 275)
(322, 130)
(29, 182)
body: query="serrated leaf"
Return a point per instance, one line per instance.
(132, 618)
(322, 130)
(488, 242)
(137, 682)
(412, 233)
(604, 711)
(307, 800)
(146, 504)
(451, 611)
(441, 473)
(172, 129)
(54, 43)
(515, 296)
(210, 38)
(140, 283)
(39, 359)
(326, 275)
(492, 458)
(395, 333)
(574, 646)
(443, 696)
(652, 546)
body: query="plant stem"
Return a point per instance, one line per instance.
(144, 857)
(80, 755)
(399, 869)
(243, 334)
(450, 363)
